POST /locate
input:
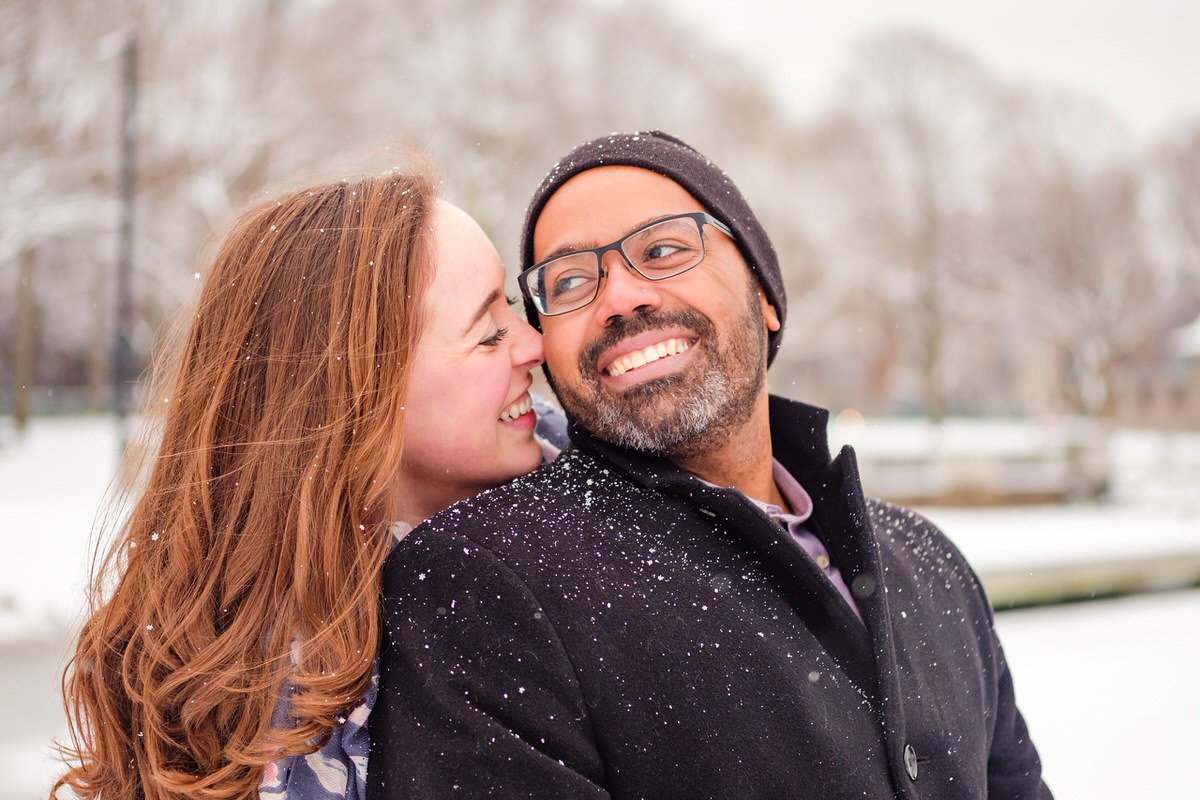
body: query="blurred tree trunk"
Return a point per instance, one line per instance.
(25, 357)
(927, 268)
(99, 385)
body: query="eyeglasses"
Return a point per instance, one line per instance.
(657, 251)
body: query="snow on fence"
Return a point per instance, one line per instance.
(979, 462)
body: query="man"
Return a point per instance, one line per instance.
(694, 600)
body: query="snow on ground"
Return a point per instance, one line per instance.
(1108, 687)
(1110, 692)
(52, 484)
(1030, 537)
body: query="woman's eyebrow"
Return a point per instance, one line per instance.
(495, 295)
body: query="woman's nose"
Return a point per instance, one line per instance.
(527, 350)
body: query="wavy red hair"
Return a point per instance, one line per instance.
(253, 551)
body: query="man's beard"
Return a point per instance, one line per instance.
(684, 414)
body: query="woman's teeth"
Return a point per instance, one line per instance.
(523, 406)
(640, 358)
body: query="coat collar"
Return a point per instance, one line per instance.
(800, 443)
(797, 434)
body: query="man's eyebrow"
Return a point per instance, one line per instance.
(495, 295)
(575, 247)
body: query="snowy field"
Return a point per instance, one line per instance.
(1109, 688)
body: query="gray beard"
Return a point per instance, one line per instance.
(679, 430)
(678, 416)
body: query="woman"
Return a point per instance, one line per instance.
(353, 362)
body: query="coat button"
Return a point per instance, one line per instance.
(910, 761)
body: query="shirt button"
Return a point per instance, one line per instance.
(823, 561)
(910, 761)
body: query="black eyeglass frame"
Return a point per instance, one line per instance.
(701, 218)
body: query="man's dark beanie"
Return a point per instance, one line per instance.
(670, 157)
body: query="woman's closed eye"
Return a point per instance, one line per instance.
(496, 338)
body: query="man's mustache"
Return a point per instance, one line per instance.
(639, 322)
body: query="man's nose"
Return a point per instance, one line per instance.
(624, 291)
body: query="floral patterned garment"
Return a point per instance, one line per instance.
(338, 771)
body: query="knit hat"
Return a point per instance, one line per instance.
(671, 158)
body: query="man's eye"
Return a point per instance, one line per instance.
(566, 285)
(667, 255)
(663, 250)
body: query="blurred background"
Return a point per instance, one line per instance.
(989, 221)
(958, 238)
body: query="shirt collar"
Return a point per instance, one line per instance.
(798, 499)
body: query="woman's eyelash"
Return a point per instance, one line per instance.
(512, 301)
(496, 338)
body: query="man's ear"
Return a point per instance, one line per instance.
(769, 314)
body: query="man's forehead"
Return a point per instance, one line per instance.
(603, 203)
(600, 181)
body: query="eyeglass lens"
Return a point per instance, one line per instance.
(659, 251)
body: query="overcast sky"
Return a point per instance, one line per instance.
(1140, 58)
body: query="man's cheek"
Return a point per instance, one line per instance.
(559, 364)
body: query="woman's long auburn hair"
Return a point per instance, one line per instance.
(253, 553)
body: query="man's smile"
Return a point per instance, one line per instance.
(637, 359)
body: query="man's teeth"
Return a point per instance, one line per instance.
(522, 406)
(640, 358)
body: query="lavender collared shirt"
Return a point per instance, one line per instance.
(795, 524)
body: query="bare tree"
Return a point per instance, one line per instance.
(1175, 202)
(1182, 163)
(1068, 234)
(923, 112)
(239, 95)
(56, 131)
(896, 242)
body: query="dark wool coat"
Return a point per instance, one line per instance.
(609, 626)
